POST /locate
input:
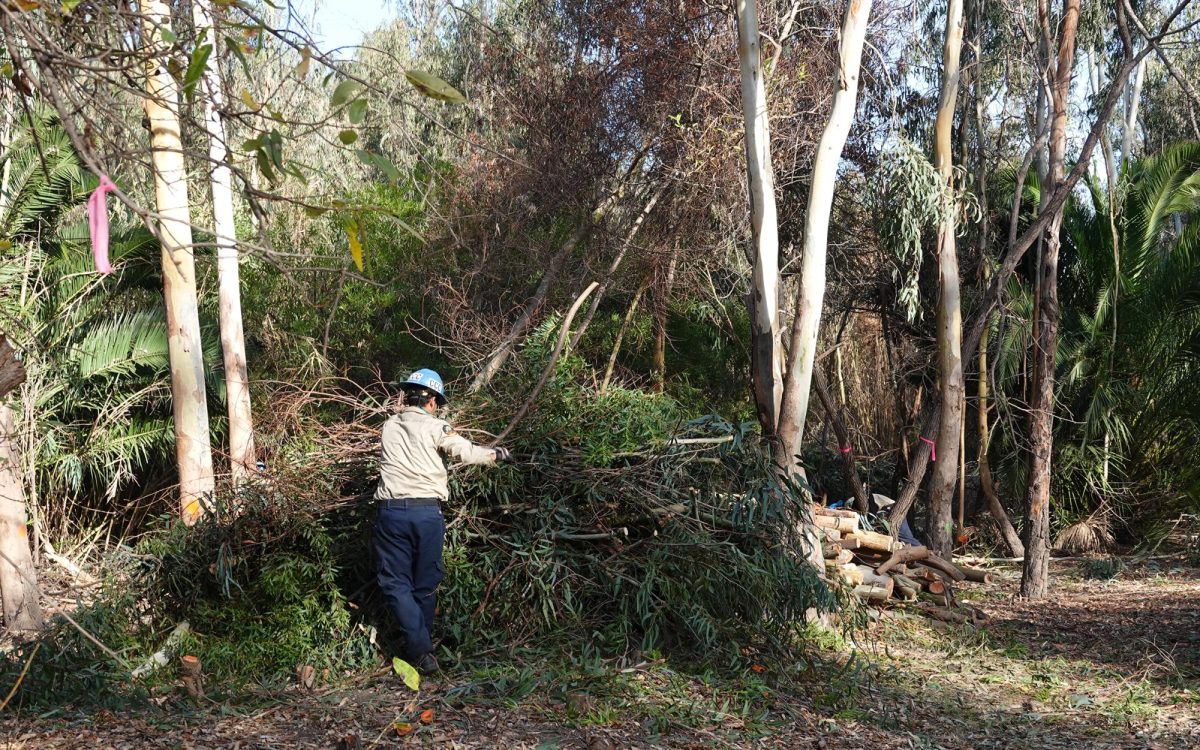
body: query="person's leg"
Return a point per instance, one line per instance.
(906, 534)
(427, 567)
(395, 545)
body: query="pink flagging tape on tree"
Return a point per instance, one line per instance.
(932, 448)
(846, 449)
(97, 211)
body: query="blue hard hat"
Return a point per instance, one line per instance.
(427, 379)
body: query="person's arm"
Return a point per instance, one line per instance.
(463, 450)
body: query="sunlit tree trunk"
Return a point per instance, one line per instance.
(18, 582)
(192, 450)
(949, 316)
(1035, 573)
(233, 342)
(766, 357)
(1133, 100)
(803, 351)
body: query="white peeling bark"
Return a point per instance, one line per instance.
(233, 342)
(192, 450)
(803, 350)
(766, 356)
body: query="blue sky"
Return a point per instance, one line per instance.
(340, 23)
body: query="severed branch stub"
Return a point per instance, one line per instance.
(191, 675)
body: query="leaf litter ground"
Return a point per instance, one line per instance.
(1107, 664)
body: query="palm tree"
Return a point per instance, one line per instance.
(1128, 367)
(1129, 364)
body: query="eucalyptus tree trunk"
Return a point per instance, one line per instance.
(233, 342)
(1133, 100)
(766, 358)
(1035, 572)
(18, 581)
(949, 315)
(803, 351)
(192, 451)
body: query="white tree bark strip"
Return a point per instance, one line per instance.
(802, 354)
(233, 343)
(192, 450)
(767, 360)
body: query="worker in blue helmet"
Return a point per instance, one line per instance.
(410, 528)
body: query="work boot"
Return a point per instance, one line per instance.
(427, 665)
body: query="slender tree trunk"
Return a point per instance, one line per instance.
(529, 314)
(233, 342)
(949, 317)
(766, 359)
(661, 308)
(18, 582)
(612, 269)
(1035, 573)
(612, 358)
(1017, 247)
(986, 485)
(192, 449)
(7, 135)
(525, 321)
(802, 354)
(845, 447)
(1133, 100)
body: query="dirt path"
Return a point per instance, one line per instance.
(1104, 665)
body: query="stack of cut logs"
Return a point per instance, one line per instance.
(881, 568)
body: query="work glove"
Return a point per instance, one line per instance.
(502, 453)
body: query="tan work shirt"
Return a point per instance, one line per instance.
(411, 465)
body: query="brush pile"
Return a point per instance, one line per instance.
(882, 569)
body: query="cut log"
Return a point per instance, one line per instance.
(873, 593)
(876, 541)
(941, 613)
(830, 550)
(831, 535)
(844, 525)
(843, 557)
(977, 575)
(192, 676)
(870, 577)
(936, 586)
(847, 542)
(948, 568)
(904, 555)
(939, 599)
(906, 588)
(851, 574)
(834, 512)
(162, 657)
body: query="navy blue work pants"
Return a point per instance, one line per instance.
(408, 545)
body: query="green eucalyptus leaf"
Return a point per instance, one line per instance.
(195, 69)
(433, 87)
(344, 92)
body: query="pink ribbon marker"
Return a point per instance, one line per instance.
(932, 448)
(846, 449)
(97, 211)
